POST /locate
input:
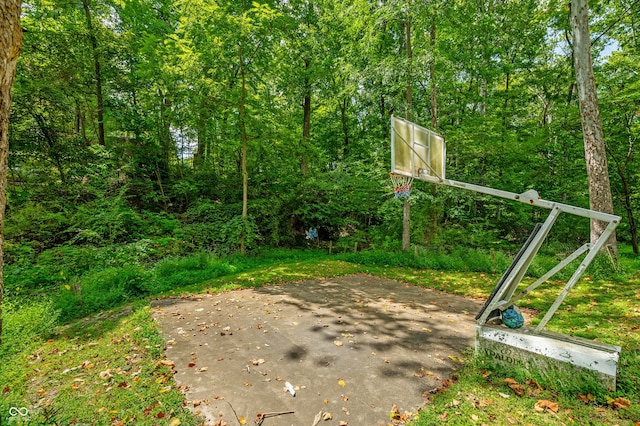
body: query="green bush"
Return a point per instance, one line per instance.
(39, 225)
(174, 273)
(102, 290)
(24, 325)
(462, 259)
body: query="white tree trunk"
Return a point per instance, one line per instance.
(599, 188)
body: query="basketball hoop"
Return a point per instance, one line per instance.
(401, 185)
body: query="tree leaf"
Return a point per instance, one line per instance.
(620, 403)
(544, 405)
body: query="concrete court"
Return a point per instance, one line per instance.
(351, 347)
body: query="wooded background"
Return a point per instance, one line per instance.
(194, 125)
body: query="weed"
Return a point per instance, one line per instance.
(25, 325)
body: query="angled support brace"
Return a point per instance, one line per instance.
(578, 273)
(502, 296)
(560, 266)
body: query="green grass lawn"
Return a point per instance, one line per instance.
(108, 367)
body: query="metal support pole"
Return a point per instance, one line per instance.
(515, 277)
(548, 275)
(577, 274)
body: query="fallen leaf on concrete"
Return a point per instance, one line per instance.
(342, 383)
(338, 342)
(395, 412)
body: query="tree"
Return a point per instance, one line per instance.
(97, 68)
(619, 97)
(406, 205)
(10, 45)
(600, 198)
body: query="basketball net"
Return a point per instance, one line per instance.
(401, 185)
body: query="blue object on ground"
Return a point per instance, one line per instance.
(512, 318)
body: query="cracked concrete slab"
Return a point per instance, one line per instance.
(351, 347)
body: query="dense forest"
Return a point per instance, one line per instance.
(169, 127)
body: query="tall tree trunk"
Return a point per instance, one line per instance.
(10, 45)
(409, 91)
(80, 128)
(621, 166)
(306, 118)
(345, 127)
(600, 198)
(243, 131)
(98, 75)
(432, 76)
(167, 144)
(633, 228)
(406, 206)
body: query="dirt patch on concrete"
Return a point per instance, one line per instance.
(351, 347)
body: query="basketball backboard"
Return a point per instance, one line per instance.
(416, 151)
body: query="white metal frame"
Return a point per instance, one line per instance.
(504, 295)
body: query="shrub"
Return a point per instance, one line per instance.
(173, 273)
(25, 325)
(102, 290)
(42, 225)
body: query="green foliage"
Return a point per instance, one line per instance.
(102, 290)
(106, 222)
(143, 390)
(39, 225)
(25, 325)
(461, 259)
(171, 164)
(173, 273)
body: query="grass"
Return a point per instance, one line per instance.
(104, 365)
(105, 369)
